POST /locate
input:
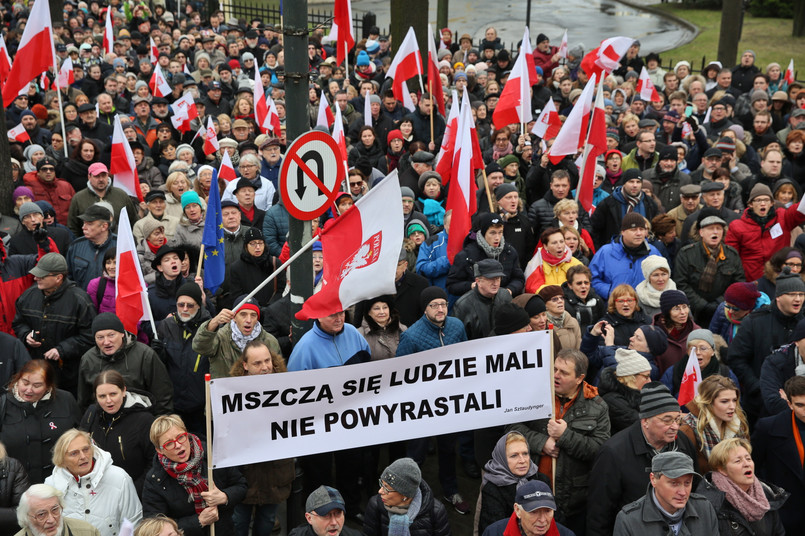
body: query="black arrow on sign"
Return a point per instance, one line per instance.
(300, 174)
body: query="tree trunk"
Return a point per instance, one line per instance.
(441, 15)
(799, 18)
(406, 13)
(6, 182)
(730, 34)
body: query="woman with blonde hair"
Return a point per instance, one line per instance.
(159, 525)
(579, 247)
(715, 415)
(176, 184)
(743, 504)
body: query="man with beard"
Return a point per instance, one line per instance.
(667, 179)
(186, 367)
(626, 199)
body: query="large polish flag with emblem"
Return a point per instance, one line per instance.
(362, 247)
(691, 379)
(35, 53)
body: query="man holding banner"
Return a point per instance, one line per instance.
(573, 437)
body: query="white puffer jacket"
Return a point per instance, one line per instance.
(102, 498)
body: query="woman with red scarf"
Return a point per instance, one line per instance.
(177, 485)
(550, 263)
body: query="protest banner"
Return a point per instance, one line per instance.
(465, 386)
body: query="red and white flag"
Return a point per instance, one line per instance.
(691, 379)
(184, 111)
(367, 111)
(338, 134)
(645, 87)
(607, 57)
(528, 52)
(155, 53)
(210, 138)
(563, 47)
(789, 72)
(461, 195)
(325, 117)
(514, 105)
(434, 78)
(66, 75)
(362, 247)
(18, 134)
(5, 61)
(274, 123)
(444, 160)
(261, 112)
(596, 144)
(407, 64)
(122, 165)
(159, 84)
(109, 32)
(227, 170)
(341, 33)
(35, 53)
(574, 131)
(548, 123)
(131, 296)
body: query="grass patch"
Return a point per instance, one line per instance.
(769, 38)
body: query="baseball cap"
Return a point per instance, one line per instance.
(673, 464)
(535, 494)
(50, 263)
(324, 500)
(96, 213)
(97, 168)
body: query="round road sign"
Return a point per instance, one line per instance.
(311, 173)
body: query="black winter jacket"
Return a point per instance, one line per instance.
(124, 435)
(461, 276)
(431, 521)
(625, 327)
(690, 263)
(477, 312)
(586, 313)
(14, 356)
(732, 523)
(13, 483)
(247, 273)
(164, 495)
(623, 401)
(186, 367)
(29, 432)
(64, 320)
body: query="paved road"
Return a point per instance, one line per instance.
(588, 22)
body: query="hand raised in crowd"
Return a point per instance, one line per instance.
(224, 317)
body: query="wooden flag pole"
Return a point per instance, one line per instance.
(432, 109)
(208, 411)
(488, 193)
(553, 407)
(200, 260)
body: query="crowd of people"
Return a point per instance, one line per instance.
(693, 245)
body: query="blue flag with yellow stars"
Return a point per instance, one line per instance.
(213, 239)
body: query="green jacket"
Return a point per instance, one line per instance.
(690, 262)
(222, 351)
(630, 161)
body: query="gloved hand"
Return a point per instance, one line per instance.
(693, 122)
(41, 238)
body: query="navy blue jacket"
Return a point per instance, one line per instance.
(425, 335)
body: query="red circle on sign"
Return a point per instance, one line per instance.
(296, 176)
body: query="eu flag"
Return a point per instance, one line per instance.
(213, 239)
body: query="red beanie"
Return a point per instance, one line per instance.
(742, 295)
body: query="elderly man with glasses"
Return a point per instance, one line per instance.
(40, 514)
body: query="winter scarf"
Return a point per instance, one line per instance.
(709, 272)
(753, 504)
(189, 473)
(649, 295)
(497, 155)
(491, 252)
(497, 472)
(18, 398)
(401, 517)
(674, 520)
(242, 340)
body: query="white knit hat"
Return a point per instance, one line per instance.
(652, 262)
(630, 362)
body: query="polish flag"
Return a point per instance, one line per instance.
(210, 138)
(5, 61)
(184, 111)
(444, 160)
(131, 302)
(548, 123)
(645, 87)
(44, 81)
(325, 117)
(338, 134)
(186, 70)
(35, 53)
(227, 170)
(274, 124)
(691, 379)
(595, 145)
(155, 53)
(362, 248)
(528, 52)
(261, 114)
(434, 80)
(461, 195)
(563, 47)
(514, 105)
(109, 32)
(607, 57)
(407, 64)
(18, 134)
(789, 72)
(159, 84)
(66, 75)
(341, 33)
(122, 164)
(573, 132)
(367, 111)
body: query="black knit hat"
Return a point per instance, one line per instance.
(656, 339)
(192, 290)
(252, 233)
(535, 306)
(430, 294)
(670, 299)
(655, 399)
(106, 321)
(487, 220)
(633, 220)
(509, 318)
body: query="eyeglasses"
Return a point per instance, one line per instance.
(384, 487)
(48, 169)
(557, 299)
(702, 348)
(42, 515)
(793, 264)
(440, 305)
(625, 300)
(670, 421)
(645, 375)
(174, 443)
(185, 305)
(355, 183)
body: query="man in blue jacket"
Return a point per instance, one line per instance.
(619, 261)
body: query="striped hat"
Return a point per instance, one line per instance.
(655, 399)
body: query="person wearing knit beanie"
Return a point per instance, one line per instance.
(108, 321)
(633, 220)
(402, 476)
(788, 283)
(631, 363)
(30, 208)
(535, 308)
(670, 299)
(656, 399)
(655, 338)
(192, 291)
(758, 190)
(704, 335)
(742, 295)
(511, 318)
(430, 294)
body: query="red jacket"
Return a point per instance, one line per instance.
(755, 244)
(544, 61)
(58, 193)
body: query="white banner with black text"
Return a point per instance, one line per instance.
(465, 386)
